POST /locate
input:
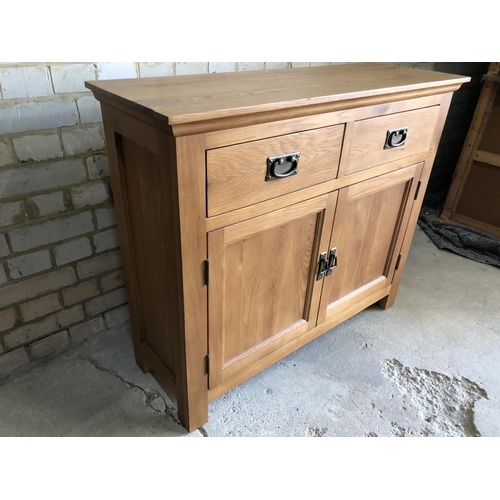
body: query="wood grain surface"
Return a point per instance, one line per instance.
(264, 290)
(236, 175)
(184, 99)
(188, 161)
(368, 138)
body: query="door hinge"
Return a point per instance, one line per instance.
(417, 190)
(397, 262)
(207, 272)
(207, 364)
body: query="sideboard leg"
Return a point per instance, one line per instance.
(142, 364)
(386, 302)
(193, 412)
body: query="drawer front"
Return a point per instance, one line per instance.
(238, 176)
(379, 140)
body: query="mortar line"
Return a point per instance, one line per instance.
(51, 80)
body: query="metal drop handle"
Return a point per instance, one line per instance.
(279, 167)
(396, 137)
(322, 266)
(332, 261)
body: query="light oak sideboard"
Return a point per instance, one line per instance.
(257, 210)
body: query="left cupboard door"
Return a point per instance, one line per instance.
(263, 290)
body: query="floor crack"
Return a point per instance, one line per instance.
(203, 432)
(150, 396)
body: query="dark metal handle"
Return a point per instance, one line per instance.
(322, 266)
(279, 167)
(332, 261)
(396, 137)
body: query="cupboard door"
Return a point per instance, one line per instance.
(368, 231)
(263, 291)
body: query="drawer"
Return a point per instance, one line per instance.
(238, 175)
(376, 141)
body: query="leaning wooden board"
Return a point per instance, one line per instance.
(473, 198)
(258, 210)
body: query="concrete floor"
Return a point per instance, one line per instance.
(429, 366)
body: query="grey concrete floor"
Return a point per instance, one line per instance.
(429, 366)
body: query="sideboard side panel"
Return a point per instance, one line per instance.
(148, 226)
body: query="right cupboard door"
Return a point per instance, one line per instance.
(368, 230)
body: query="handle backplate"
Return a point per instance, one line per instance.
(322, 266)
(279, 167)
(332, 261)
(396, 137)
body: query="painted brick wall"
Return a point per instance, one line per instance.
(60, 268)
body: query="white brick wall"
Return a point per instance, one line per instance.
(28, 289)
(148, 69)
(107, 301)
(81, 292)
(222, 67)
(191, 68)
(40, 307)
(25, 82)
(29, 264)
(97, 166)
(35, 330)
(106, 240)
(105, 217)
(116, 316)
(99, 264)
(10, 213)
(37, 115)
(112, 280)
(89, 194)
(251, 66)
(89, 109)
(49, 345)
(37, 147)
(51, 231)
(7, 319)
(73, 250)
(6, 156)
(12, 360)
(61, 277)
(3, 275)
(71, 77)
(27, 180)
(276, 65)
(115, 70)
(47, 204)
(4, 249)
(87, 329)
(82, 139)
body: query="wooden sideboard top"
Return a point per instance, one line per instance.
(178, 100)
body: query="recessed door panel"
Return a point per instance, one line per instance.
(367, 234)
(263, 290)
